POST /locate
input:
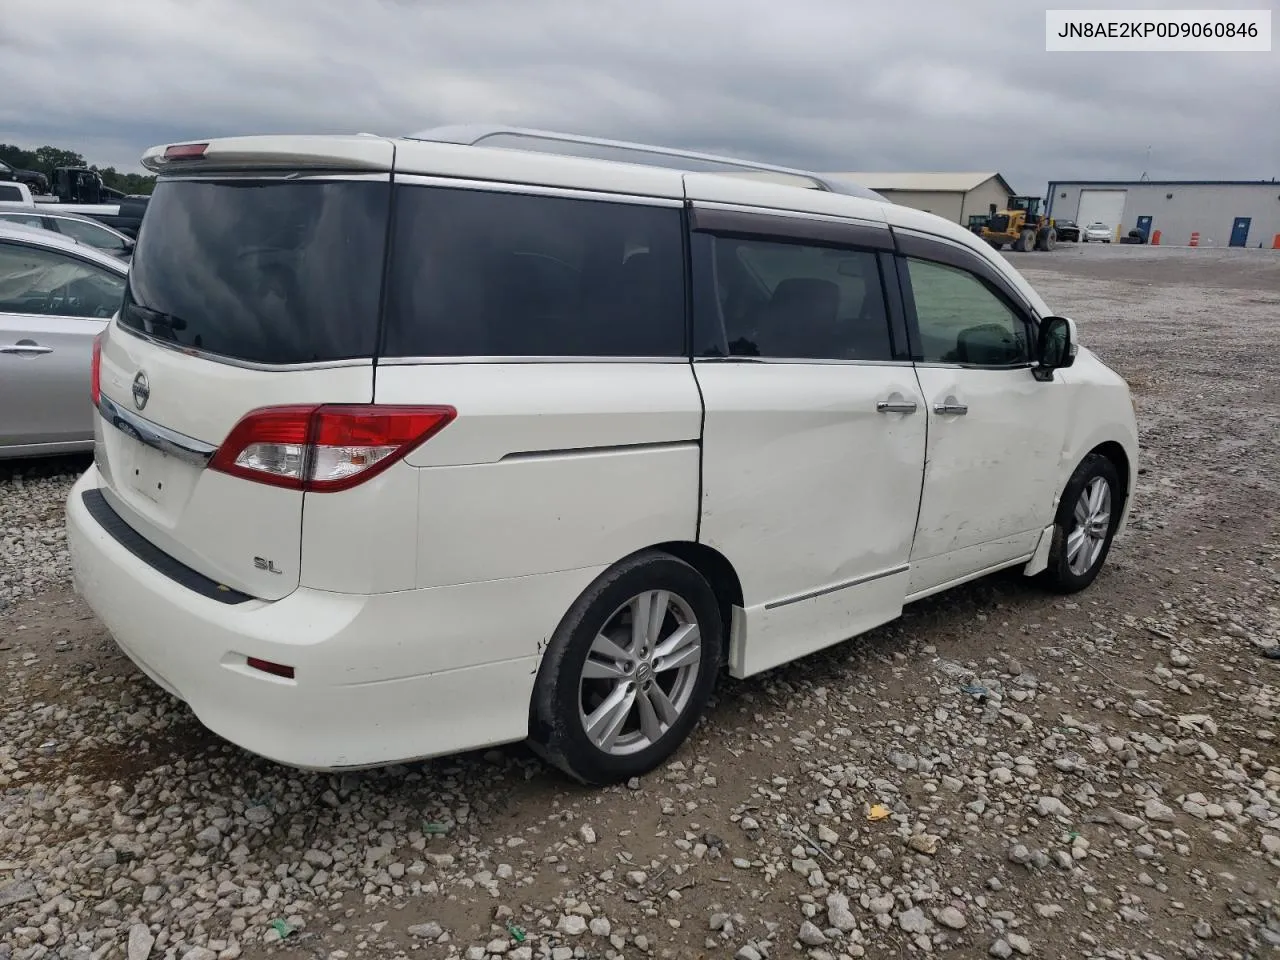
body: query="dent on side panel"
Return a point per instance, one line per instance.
(549, 465)
(559, 511)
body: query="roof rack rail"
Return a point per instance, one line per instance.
(475, 134)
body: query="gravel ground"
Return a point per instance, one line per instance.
(1000, 772)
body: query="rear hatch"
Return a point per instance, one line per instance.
(255, 284)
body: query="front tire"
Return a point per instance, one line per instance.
(1085, 526)
(628, 671)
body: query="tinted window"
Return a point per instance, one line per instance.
(962, 320)
(90, 233)
(8, 192)
(478, 273)
(24, 219)
(48, 283)
(759, 298)
(272, 272)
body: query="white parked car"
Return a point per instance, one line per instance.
(526, 445)
(1098, 232)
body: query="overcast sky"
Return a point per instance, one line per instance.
(835, 85)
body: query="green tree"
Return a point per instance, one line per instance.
(45, 159)
(49, 158)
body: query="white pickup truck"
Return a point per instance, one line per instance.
(125, 216)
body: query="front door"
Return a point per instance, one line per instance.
(814, 431)
(995, 432)
(52, 305)
(1240, 231)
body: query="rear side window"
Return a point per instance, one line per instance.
(9, 193)
(488, 274)
(272, 272)
(798, 301)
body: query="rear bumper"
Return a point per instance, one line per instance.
(378, 679)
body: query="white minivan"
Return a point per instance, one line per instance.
(407, 447)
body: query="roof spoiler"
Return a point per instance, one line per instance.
(344, 152)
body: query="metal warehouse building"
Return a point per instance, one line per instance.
(955, 196)
(1212, 213)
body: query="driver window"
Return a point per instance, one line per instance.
(962, 321)
(41, 282)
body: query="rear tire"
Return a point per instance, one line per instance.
(613, 700)
(1085, 525)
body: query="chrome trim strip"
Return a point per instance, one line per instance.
(825, 363)
(690, 444)
(277, 173)
(793, 214)
(243, 364)
(939, 365)
(416, 361)
(857, 581)
(153, 435)
(533, 189)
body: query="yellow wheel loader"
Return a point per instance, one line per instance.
(1021, 225)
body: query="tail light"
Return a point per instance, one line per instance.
(95, 371)
(325, 448)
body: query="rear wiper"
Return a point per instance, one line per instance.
(156, 318)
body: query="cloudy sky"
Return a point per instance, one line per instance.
(912, 85)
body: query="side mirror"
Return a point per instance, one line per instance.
(1057, 347)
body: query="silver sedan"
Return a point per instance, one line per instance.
(56, 295)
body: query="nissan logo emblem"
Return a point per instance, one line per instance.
(141, 390)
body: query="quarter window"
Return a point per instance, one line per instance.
(91, 234)
(47, 283)
(962, 320)
(765, 298)
(23, 219)
(492, 274)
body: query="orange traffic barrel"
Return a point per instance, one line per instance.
(1155, 238)
(1195, 238)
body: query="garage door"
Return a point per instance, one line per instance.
(1104, 206)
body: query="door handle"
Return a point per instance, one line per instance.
(25, 348)
(951, 407)
(895, 406)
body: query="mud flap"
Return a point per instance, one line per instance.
(1039, 561)
(737, 642)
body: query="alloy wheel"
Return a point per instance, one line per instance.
(640, 673)
(1091, 526)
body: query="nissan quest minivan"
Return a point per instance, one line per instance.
(406, 447)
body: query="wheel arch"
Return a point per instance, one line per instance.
(1119, 458)
(717, 570)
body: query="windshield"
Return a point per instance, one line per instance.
(275, 271)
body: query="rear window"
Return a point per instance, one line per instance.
(264, 271)
(493, 274)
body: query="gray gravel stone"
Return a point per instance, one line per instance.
(140, 943)
(810, 935)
